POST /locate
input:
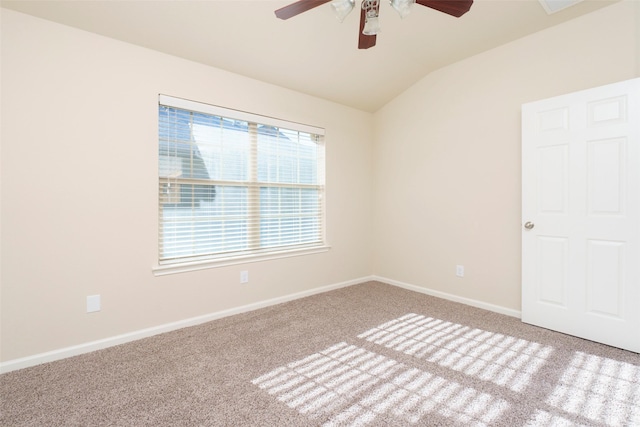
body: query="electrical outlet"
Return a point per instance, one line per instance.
(244, 276)
(460, 270)
(93, 303)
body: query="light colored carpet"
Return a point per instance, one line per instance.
(366, 355)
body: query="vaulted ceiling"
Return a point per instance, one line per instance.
(311, 53)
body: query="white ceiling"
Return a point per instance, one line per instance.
(311, 53)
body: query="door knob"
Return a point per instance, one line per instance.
(529, 225)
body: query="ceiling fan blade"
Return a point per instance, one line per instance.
(364, 41)
(455, 8)
(298, 7)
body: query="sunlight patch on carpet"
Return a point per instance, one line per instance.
(360, 386)
(488, 356)
(544, 418)
(599, 389)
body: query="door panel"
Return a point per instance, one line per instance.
(605, 278)
(553, 179)
(581, 190)
(606, 177)
(553, 257)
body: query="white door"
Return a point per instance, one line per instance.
(581, 214)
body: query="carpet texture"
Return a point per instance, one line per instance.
(366, 355)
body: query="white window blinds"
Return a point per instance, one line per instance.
(235, 184)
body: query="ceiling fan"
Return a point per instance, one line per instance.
(369, 11)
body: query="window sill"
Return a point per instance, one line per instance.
(184, 267)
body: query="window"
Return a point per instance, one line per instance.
(236, 185)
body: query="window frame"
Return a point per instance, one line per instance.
(199, 262)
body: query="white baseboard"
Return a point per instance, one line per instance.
(451, 297)
(63, 353)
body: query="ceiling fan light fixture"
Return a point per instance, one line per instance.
(371, 23)
(371, 26)
(403, 7)
(342, 8)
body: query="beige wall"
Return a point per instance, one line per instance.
(447, 154)
(440, 186)
(79, 182)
